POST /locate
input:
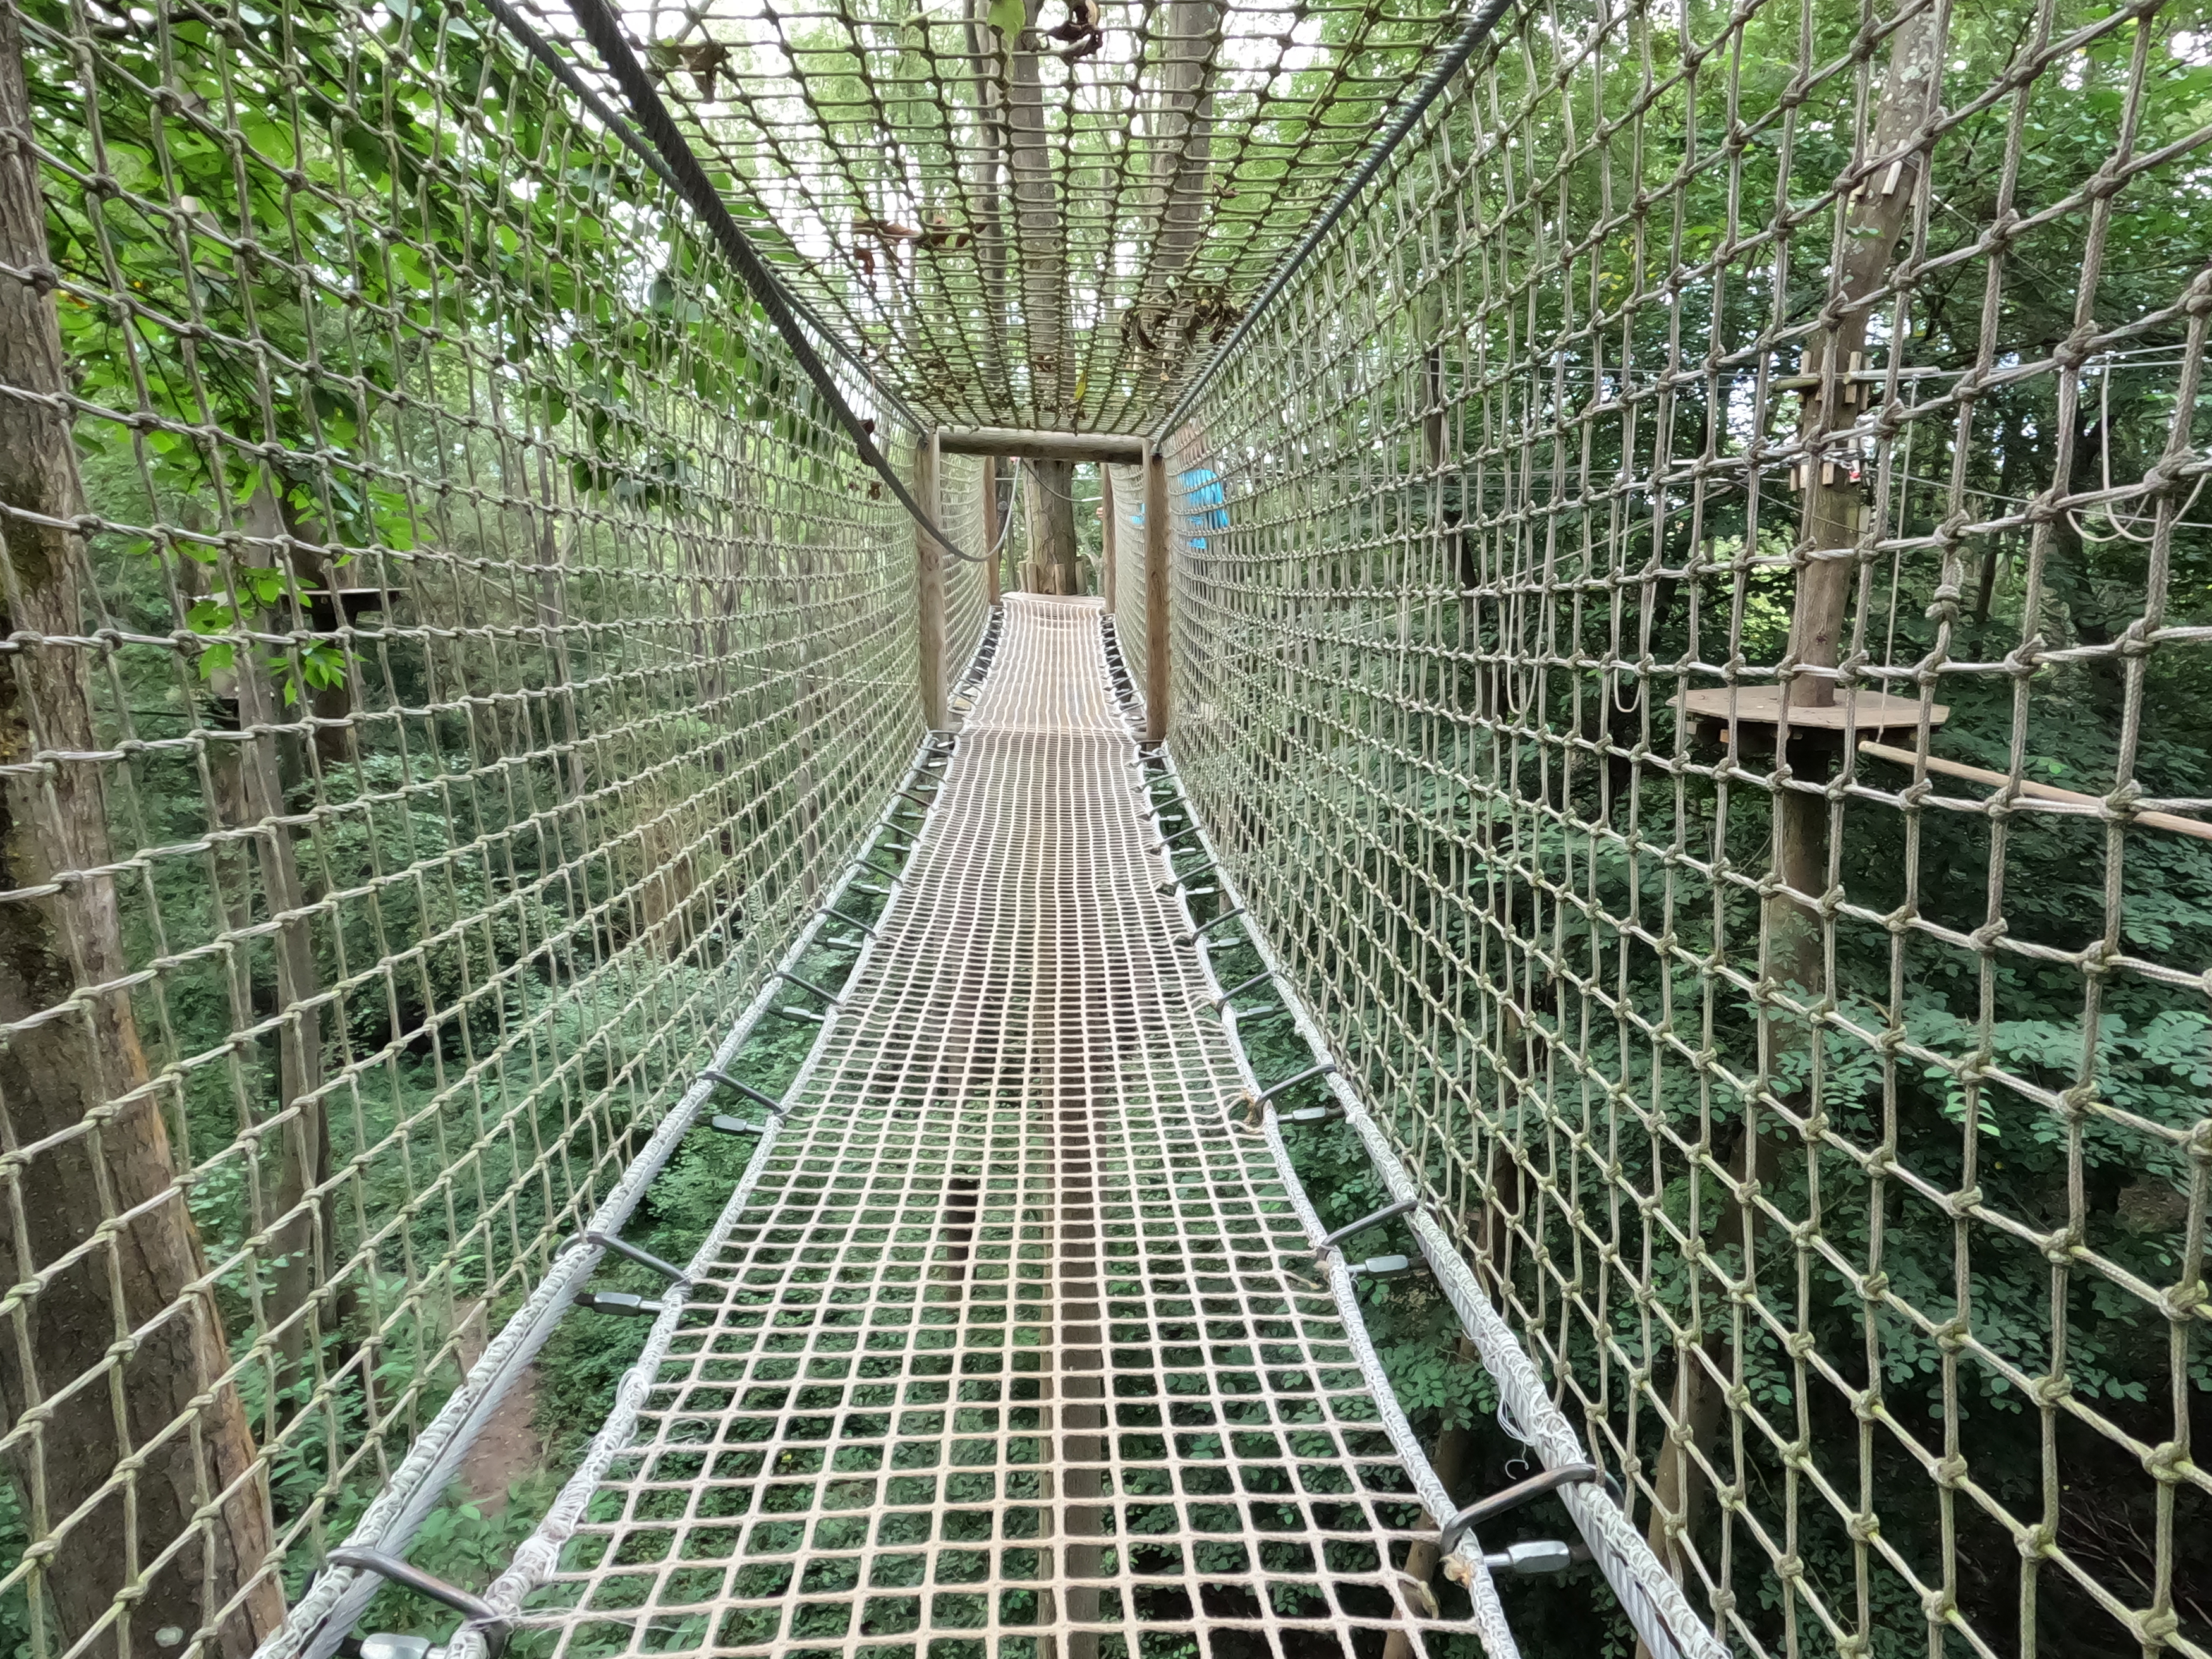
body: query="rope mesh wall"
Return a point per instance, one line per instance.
(446, 649)
(1685, 538)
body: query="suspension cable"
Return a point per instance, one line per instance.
(1478, 30)
(677, 166)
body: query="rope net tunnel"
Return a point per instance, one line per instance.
(1614, 888)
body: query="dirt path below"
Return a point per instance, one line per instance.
(509, 1449)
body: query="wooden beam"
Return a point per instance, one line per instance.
(1034, 446)
(929, 560)
(1108, 524)
(990, 548)
(1156, 598)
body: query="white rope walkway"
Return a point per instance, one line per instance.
(1008, 1337)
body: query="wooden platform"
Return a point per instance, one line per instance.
(1761, 705)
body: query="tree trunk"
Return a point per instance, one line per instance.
(303, 1139)
(1051, 493)
(116, 1318)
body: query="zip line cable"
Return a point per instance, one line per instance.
(677, 166)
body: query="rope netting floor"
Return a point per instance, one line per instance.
(1012, 1343)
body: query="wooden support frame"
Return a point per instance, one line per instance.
(1156, 564)
(1109, 527)
(1030, 445)
(990, 523)
(929, 560)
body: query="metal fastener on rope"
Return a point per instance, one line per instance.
(792, 1011)
(1192, 937)
(1306, 1076)
(830, 997)
(1501, 1503)
(745, 1089)
(1366, 1221)
(1313, 1114)
(623, 1247)
(723, 1123)
(1539, 1555)
(476, 1613)
(618, 1302)
(1385, 1268)
(832, 910)
(1236, 991)
(1171, 840)
(1167, 888)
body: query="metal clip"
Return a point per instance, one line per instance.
(1239, 990)
(476, 1611)
(1191, 938)
(1366, 1221)
(828, 997)
(667, 1270)
(745, 1089)
(1384, 1269)
(618, 1302)
(1167, 889)
(1500, 1503)
(1306, 1076)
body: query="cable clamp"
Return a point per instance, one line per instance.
(1383, 1268)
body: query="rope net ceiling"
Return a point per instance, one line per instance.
(1051, 232)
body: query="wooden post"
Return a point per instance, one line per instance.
(929, 558)
(1155, 597)
(1108, 527)
(990, 548)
